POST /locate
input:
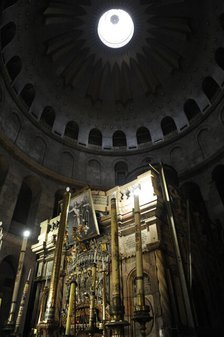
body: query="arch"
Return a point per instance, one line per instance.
(66, 164)
(219, 57)
(205, 142)
(27, 204)
(121, 172)
(38, 149)
(13, 126)
(177, 157)
(119, 138)
(72, 130)
(191, 109)
(95, 137)
(191, 191)
(14, 67)
(47, 117)
(131, 294)
(4, 167)
(210, 87)
(94, 172)
(28, 94)
(143, 135)
(218, 178)
(8, 32)
(168, 125)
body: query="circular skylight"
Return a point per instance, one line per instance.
(115, 28)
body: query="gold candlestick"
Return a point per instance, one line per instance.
(140, 296)
(141, 313)
(92, 326)
(22, 305)
(11, 319)
(50, 325)
(117, 322)
(71, 308)
(104, 299)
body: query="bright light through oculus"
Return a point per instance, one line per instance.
(115, 28)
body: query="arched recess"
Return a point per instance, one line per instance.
(26, 206)
(191, 192)
(38, 149)
(7, 34)
(149, 301)
(13, 126)
(219, 57)
(94, 172)
(210, 87)
(4, 167)
(177, 158)
(7, 278)
(191, 109)
(47, 117)
(218, 178)
(72, 130)
(119, 139)
(205, 142)
(66, 164)
(28, 94)
(168, 125)
(95, 137)
(14, 66)
(121, 172)
(143, 135)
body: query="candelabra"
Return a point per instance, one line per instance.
(117, 322)
(104, 299)
(71, 308)
(141, 312)
(10, 325)
(50, 326)
(22, 305)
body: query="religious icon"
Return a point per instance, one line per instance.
(82, 221)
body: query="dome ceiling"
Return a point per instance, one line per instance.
(60, 73)
(124, 74)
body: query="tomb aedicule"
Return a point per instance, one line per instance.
(108, 279)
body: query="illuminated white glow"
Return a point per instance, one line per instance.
(26, 234)
(137, 190)
(115, 28)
